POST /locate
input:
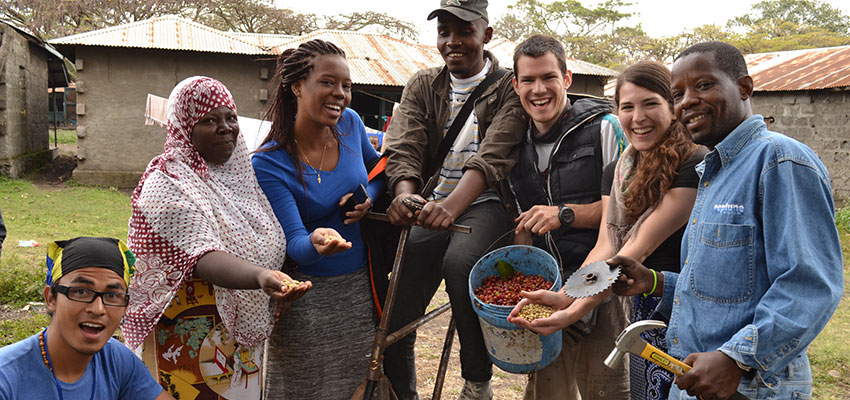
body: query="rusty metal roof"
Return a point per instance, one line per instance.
(374, 59)
(264, 40)
(793, 70)
(167, 32)
(503, 49)
(808, 69)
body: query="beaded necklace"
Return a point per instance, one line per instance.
(45, 355)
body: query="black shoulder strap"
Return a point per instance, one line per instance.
(457, 124)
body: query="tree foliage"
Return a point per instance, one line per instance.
(598, 35)
(56, 18)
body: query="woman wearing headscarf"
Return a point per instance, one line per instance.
(205, 236)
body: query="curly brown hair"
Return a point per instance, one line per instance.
(654, 169)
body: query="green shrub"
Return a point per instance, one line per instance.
(842, 218)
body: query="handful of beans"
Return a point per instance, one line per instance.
(505, 291)
(291, 284)
(534, 311)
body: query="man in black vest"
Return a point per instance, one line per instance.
(556, 182)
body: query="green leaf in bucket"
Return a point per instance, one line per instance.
(506, 270)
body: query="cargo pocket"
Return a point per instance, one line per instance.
(725, 271)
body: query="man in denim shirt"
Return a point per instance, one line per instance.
(761, 259)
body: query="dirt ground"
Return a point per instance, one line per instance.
(429, 347)
(55, 174)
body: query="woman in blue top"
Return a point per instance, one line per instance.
(309, 165)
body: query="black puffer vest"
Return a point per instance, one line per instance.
(575, 177)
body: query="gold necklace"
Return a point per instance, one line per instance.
(322, 162)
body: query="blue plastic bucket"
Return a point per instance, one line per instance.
(510, 347)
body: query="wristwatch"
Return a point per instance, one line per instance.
(566, 215)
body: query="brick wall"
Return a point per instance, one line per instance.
(818, 118)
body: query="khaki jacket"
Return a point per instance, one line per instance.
(416, 128)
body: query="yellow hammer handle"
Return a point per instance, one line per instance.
(663, 359)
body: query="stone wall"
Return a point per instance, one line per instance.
(114, 143)
(23, 104)
(818, 118)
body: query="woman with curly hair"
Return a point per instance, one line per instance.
(309, 166)
(647, 196)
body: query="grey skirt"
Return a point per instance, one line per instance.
(320, 349)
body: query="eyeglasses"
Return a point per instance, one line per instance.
(86, 295)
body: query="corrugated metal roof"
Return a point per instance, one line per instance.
(374, 59)
(264, 40)
(503, 49)
(808, 69)
(168, 32)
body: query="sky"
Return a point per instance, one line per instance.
(657, 17)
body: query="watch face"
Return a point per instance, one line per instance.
(566, 215)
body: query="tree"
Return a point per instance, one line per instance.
(788, 25)
(381, 22)
(50, 18)
(253, 16)
(585, 32)
(772, 17)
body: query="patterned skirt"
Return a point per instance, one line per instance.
(193, 356)
(648, 380)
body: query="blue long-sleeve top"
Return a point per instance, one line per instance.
(302, 204)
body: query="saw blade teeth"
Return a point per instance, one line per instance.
(591, 279)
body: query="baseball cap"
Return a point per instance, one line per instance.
(467, 10)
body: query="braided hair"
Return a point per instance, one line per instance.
(293, 65)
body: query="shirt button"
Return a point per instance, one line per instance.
(676, 341)
(686, 261)
(676, 300)
(694, 222)
(705, 184)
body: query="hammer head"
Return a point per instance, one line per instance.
(630, 341)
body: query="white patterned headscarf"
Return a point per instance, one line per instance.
(185, 207)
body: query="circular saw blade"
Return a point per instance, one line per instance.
(591, 279)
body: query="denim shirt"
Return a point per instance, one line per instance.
(761, 260)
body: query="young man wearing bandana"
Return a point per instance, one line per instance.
(75, 357)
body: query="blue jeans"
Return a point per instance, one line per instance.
(794, 383)
(431, 256)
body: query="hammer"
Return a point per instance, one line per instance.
(630, 341)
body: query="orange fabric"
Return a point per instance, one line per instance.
(380, 167)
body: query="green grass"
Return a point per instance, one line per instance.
(64, 136)
(42, 215)
(842, 219)
(15, 330)
(829, 353)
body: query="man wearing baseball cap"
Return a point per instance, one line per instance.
(75, 357)
(453, 161)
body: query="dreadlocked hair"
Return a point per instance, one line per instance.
(656, 168)
(293, 65)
